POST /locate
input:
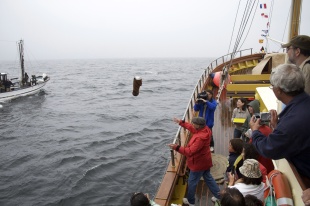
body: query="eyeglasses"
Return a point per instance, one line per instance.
(288, 48)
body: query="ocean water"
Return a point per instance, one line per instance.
(85, 139)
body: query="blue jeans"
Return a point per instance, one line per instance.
(237, 133)
(212, 140)
(193, 180)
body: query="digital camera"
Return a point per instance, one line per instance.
(202, 95)
(263, 116)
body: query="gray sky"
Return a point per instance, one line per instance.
(75, 29)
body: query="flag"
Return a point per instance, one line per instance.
(261, 41)
(265, 31)
(266, 16)
(262, 14)
(261, 6)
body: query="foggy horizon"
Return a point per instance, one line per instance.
(96, 29)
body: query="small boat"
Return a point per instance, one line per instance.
(238, 74)
(12, 88)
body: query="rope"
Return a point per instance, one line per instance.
(250, 25)
(245, 18)
(244, 21)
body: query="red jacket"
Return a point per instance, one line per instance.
(263, 170)
(197, 151)
(267, 162)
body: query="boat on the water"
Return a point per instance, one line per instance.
(15, 87)
(238, 74)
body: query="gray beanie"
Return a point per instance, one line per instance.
(199, 121)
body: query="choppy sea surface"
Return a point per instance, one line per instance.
(85, 139)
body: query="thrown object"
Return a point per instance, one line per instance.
(137, 82)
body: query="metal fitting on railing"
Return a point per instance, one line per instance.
(172, 158)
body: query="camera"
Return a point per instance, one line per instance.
(263, 116)
(202, 95)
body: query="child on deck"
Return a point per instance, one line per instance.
(249, 152)
(235, 150)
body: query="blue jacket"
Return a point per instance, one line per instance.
(231, 160)
(209, 114)
(291, 137)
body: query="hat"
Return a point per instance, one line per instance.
(250, 168)
(300, 41)
(199, 121)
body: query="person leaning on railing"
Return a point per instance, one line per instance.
(198, 158)
(290, 136)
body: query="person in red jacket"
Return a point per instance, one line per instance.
(198, 155)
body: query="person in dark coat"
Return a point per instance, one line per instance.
(290, 136)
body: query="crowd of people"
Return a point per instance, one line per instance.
(254, 142)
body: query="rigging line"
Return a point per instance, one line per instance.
(238, 39)
(233, 29)
(238, 33)
(268, 26)
(246, 17)
(270, 13)
(250, 24)
(240, 28)
(243, 25)
(269, 21)
(287, 19)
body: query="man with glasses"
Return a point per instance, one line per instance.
(298, 51)
(290, 137)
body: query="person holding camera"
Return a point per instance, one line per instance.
(290, 137)
(254, 109)
(206, 106)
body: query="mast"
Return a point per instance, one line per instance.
(295, 18)
(21, 58)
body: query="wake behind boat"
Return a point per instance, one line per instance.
(14, 87)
